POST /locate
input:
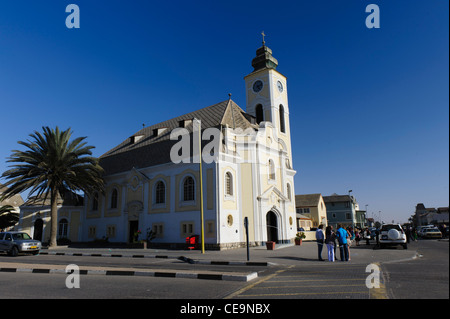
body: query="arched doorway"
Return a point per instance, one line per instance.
(38, 229)
(272, 226)
(134, 209)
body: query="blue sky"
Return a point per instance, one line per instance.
(369, 108)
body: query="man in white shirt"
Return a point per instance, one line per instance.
(320, 238)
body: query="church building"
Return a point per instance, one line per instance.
(251, 174)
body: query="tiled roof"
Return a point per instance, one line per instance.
(150, 150)
(337, 198)
(308, 200)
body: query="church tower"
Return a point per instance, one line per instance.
(266, 92)
(273, 174)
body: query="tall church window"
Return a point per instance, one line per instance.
(259, 114)
(271, 170)
(282, 125)
(188, 189)
(160, 193)
(114, 196)
(229, 184)
(95, 202)
(288, 190)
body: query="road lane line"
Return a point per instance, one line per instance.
(306, 293)
(240, 291)
(315, 286)
(307, 280)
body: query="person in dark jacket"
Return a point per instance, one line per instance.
(320, 238)
(330, 241)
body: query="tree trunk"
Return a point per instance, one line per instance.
(54, 217)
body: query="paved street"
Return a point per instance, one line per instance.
(424, 277)
(326, 281)
(291, 272)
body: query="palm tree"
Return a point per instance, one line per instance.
(52, 165)
(8, 217)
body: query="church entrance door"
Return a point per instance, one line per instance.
(272, 226)
(133, 227)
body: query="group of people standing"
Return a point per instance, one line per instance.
(330, 238)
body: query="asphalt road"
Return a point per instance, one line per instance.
(294, 274)
(426, 277)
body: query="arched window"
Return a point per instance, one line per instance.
(229, 184)
(259, 114)
(188, 189)
(282, 125)
(271, 170)
(114, 196)
(288, 190)
(95, 202)
(160, 193)
(62, 228)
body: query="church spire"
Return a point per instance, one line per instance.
(264, 58)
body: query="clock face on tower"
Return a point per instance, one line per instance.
(280, 86)
(257, 86)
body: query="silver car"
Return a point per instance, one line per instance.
(14, 243)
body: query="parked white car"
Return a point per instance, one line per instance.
(392, 234)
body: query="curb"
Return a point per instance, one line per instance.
(222, 263)
(106, 255)
(226, 277)
(182, 258)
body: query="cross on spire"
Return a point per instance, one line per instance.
(263, 35)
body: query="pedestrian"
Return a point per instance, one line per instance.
(357, 236)
(342, 235)
(367, 235)
(415, 236)
(349, 240)
(408, 234)
(352, 233)
(320, 238)
(330, 241)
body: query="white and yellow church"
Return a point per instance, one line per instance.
(251, 176)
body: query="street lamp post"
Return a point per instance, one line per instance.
(366, 214)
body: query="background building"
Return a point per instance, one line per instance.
(35, 217)
(311, 206)
(426, 216)
(341, 209)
